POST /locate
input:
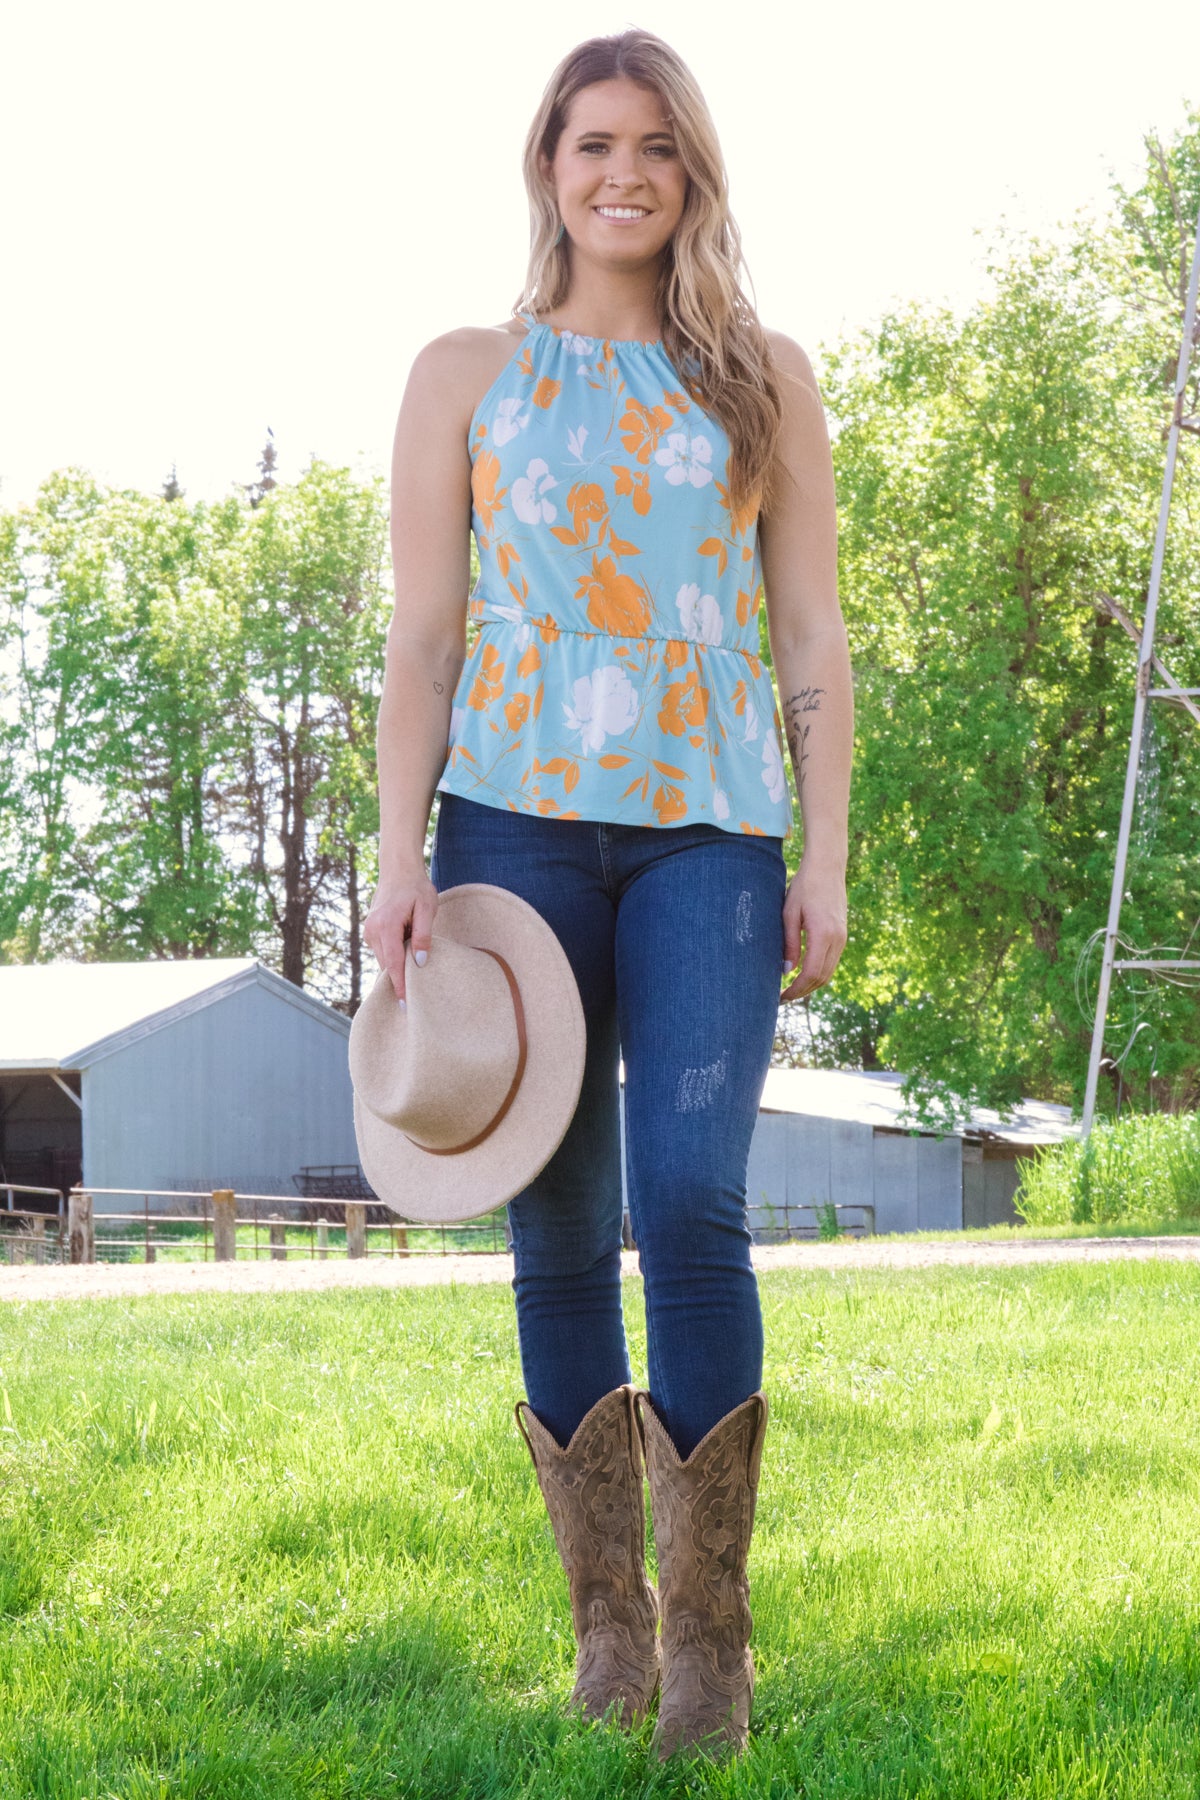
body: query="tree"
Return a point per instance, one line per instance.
(998, 477)
(313, 616)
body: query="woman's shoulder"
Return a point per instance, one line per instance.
(469, 354)
(451, 373)
(790, 358)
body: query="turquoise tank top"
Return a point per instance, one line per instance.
(616, 673)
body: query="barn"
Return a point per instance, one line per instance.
(837, 1136)
(178, 1075)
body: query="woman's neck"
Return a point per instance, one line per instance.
(601, 303)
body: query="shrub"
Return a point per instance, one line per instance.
(1139, 1169)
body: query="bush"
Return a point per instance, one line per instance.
(1140, 1169)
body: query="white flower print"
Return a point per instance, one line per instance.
(575, 442)
(684, 460)
(507, 424)
(773, 768)
(750, 735)
(700, 614)
(578, 346)
(527, 492)
(516, 615)
(605, 706)
(457, 714)
(720, 803)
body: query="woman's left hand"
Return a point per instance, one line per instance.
(815, 905)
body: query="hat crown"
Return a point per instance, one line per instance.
(440, 1068)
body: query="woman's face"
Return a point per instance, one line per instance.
(617, 174)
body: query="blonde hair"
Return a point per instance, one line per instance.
(711, 331)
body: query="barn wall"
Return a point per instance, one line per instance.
(798, 1162)
(238, 1094)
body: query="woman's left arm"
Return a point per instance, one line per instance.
(812, 666)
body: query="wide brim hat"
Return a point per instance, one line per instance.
(462, 1096)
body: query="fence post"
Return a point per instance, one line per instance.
(38, 1228)
(356, 1228)
(151, 1251)
(80, 1227)
(224, 1205)
(323, 1238)
(278, 1238)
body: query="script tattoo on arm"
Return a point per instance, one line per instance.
(798, 728)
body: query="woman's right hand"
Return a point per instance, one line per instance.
(404, 908)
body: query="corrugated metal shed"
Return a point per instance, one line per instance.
(177, 1075)
(836, 1135)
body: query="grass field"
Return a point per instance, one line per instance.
(283, 1546)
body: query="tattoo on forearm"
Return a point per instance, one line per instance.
(798, 728)
(438, 688)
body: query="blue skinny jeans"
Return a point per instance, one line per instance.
(675, 935)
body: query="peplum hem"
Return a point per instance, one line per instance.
(641, 730)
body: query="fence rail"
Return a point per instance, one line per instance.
(40, 1235)
(224, 1226)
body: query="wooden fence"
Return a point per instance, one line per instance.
(222, 1215)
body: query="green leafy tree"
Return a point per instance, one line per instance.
(313, 612)
(998, 477)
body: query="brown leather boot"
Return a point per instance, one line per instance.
(594, 1494)
(703, 1516)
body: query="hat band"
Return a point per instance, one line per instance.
(522, 1050)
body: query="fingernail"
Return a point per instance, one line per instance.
(419, 958)
(786, 965)
(402, 1003)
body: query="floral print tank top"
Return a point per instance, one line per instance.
(616, 673)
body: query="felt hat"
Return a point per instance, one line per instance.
(463, 1095)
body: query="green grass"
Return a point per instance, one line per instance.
(292, 1546)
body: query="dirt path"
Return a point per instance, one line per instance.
(302, 1275)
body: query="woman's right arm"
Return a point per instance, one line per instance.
(426, 641)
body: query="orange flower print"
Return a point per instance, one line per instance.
(616, 603)
(517, 711)
(684, 703)
(637, 483)
(489, 682)
(586, 502)
(676, 653)
(484, 476)
(546, 392)
(669, 804)
(748, 605)
(530, 663)
(641, 427)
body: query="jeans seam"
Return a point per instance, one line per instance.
(602, 841)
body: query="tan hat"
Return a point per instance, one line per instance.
(463, 1096)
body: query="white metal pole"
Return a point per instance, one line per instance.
(1145, 658)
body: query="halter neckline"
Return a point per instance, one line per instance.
(591, 337)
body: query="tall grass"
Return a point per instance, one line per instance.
(264, 1548)
(1139, 1169)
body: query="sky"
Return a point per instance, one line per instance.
(224, 218)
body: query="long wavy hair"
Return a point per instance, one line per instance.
(711, 331)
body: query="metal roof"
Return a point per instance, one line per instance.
(872, 1097)
(65, 1015)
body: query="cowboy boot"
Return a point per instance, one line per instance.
(703, 1515)
(594, 1495)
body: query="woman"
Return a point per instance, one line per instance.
(633, 452)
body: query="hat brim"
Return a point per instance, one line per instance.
(446, 1190)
